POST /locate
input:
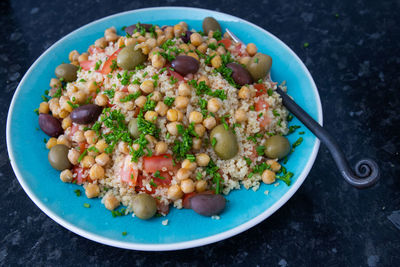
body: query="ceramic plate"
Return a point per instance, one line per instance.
(185, 228)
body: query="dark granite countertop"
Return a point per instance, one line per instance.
(353, 55)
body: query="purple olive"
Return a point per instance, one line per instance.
(185, 65)
(186, 37)
(130, 29)
(50, 125)
(86, 114)
(208, 204)
(239, 74)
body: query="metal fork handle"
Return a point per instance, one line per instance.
(366, 170)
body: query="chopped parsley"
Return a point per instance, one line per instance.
(110, 93)
(297, 143)
(173, 80)
(72, 104)
(191, 157)
(259, 169)
(285, 177)
(202, 88)
(213, 142)
(260, 150)
(248, 161)
(114, 65)
(157, 175)
(270, 92)
(217, 35)
(84, 153)
(293, 128)
(169, 101)
(212, 170)
(118, 213)
(86, 205)
(199, 176)
(181, 147)
(130, 97)
(124, 233)
(306, 45)
(77, 192)
(276, 113)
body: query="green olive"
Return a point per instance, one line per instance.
(259, 66)
(211, 24)
(68, 72)
(128, 58)
(58, 157)
(144, 206)
(226, 146)
(133, 128)
(277, 146)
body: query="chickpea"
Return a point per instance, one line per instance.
(216, 62)
(79, 137)
(221, 50)
(202, 48)
(51, 142)
(244, 92)
(157, 96)
(268, 177)
(184, 25)
(140, 101)
(78, 97)
(213, 105)
(73, 55)
(101, 100)
(196, 39)
(197, 143)
(151, 116)
(202, 159)
(111, 36)
(73, 156)
(204, 79)
(169, 32)
(101, 42)
(96, 172)
(101, 145)
(187, 186)
(158, 61)
(102, 159)
(152, 140)
(172, 115)
(55, 83)
(209, 123)
(275, 166)
(191, 47)
(66, 122)
(251, 49)
(178, 29)
(187, 164)
(63, 113)
(83, 57)
(180, 115)
(111, 202)
(161, 40)
(44, 107)
(184, 47)
(172, 128)
(87, 161)
(147, 87)
(63, 140)
(92, 87)
(184, 89)
(240, 115)
(211, 40)
(244, 60)
(151, 43)
(123, 147)
(119, 95)
(174, 192)
(91, 137)
(66, 176)
(200, 129)
(201, 186)
(130, 41)
(193, 55)
(195, 117)
(92, 190)
(183, 174)
(161, 147)
(161, 108)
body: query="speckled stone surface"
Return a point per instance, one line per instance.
(353, 55)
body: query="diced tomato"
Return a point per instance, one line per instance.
(226, 42)
(87, 65)
(264, 120)
(124, 89)
(162, 182)
(107, 65)
(79, 171)
(175, 74)
(157, 163)
(261, 90)
(186, 200)
(238, 50)
(82, 146)
(254, 154)
(261, 104)
(129, 171)
(92, 50)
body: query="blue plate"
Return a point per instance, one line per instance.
(185, 228)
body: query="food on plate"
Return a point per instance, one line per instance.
(166, 116)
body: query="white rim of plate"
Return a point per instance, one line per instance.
(179, 245)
